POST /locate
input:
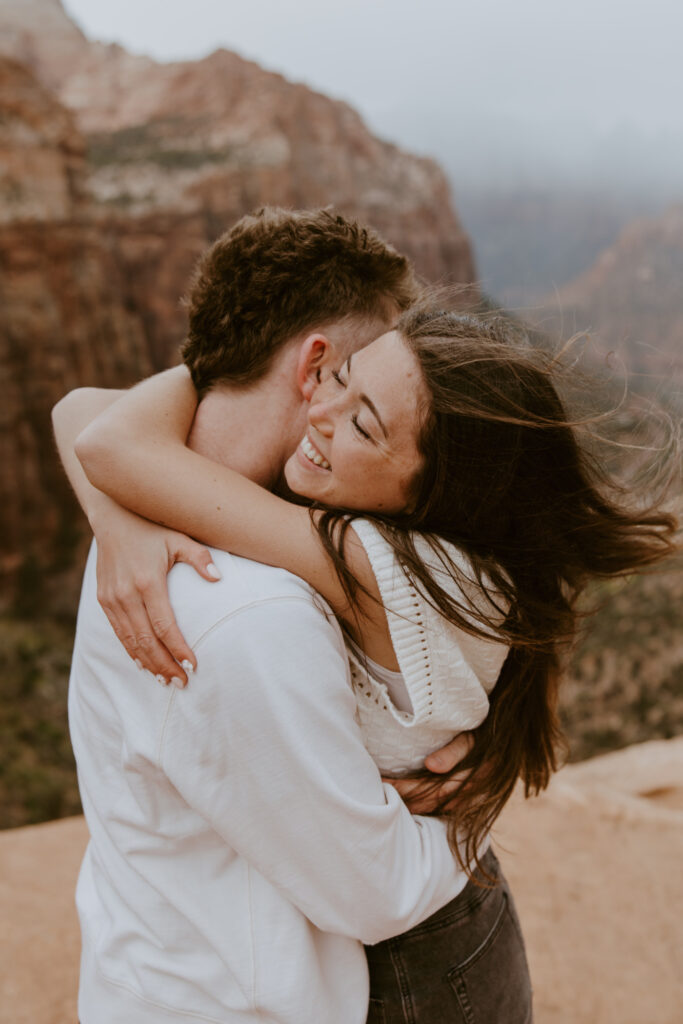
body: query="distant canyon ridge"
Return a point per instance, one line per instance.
(115, 173)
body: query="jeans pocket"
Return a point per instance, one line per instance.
(492, 985)
(376, 1013)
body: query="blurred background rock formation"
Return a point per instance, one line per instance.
(115, 172)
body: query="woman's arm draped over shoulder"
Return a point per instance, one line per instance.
(69, 417)
(136, 453)
(131, 620)
(133, 555)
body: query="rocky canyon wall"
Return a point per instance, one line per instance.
(115, 173)
(64, 321)
(631, 299)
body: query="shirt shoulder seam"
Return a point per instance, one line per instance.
(234, 613)
(258, 603)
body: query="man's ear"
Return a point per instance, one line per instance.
(313, 354)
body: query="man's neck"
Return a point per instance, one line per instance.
(252, 430)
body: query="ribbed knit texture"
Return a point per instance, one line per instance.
(448, 673)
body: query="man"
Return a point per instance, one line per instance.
(242, 842)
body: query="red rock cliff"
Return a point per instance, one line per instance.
(631, 298)
(115, 172)
(65, 319)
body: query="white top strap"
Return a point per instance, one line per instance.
(448, 672)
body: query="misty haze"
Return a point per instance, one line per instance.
(556, 124)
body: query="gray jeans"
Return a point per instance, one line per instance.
(464, 965)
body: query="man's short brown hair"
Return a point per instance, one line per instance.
(278, 273)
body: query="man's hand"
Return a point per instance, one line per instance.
(419, 794)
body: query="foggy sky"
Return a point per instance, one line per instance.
(497, 90)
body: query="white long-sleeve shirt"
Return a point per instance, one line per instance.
(242, 842)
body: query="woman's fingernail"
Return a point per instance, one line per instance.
(213, 571)
(139, 664)
(188, 666)
(177, 682)
(161, 679)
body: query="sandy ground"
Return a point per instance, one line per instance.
(595, 865)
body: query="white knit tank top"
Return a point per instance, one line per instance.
(448, 673)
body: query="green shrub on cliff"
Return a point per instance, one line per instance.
(37, 771)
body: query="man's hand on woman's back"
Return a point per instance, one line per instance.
(419, 795)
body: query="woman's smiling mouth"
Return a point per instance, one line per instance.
(312, 453)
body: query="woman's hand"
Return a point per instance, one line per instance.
(134, 557)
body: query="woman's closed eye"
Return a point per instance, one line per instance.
(363, 433)
(337, 377)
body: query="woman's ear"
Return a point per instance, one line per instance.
(313, 354)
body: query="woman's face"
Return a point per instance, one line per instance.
(360, 447)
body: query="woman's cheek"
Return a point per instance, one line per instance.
(374, 490)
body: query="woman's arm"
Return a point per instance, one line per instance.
(133, 555)
(70, 416)
(128, 545)
(136, 452)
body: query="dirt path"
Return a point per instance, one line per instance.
(595, 865)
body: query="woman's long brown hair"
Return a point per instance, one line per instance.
(506, 482)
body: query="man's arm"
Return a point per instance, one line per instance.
(266, 747)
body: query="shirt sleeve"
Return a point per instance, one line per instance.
(264, 744)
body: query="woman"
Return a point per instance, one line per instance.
(456, 522)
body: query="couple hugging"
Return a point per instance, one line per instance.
(403, 520)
